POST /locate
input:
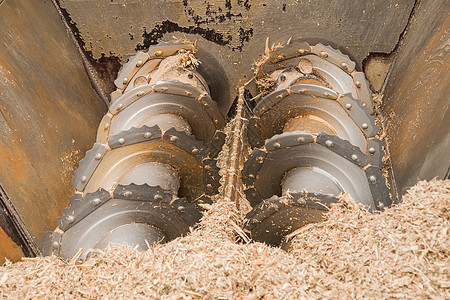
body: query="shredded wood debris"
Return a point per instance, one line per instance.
(401, 253)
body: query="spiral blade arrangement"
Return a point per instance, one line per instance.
(315, 140)
(153, 160)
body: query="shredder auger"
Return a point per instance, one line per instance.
(153, 164)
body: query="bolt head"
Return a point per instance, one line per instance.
(174, 138)
(96, 201)
(208, 168)
(106, 126)
(195, 151)
(188, 93)
(301, 139)
(125, 80)
(148, 135)
(127, 194)
(121, 141)
(381, 205)
(326, 94)
(98, 156)
(190, 75)
(120, 106)
(280, 57)
(282, 78)
(355, 157)
(158, 53)
(70, 219)
(348, 106)
(251, 176)
(277, 145)
(255, 221)
(139, 63)
(305, 66)
(157, 197)
(301, 51)
(372, 150)
(365, 126)
(358, 83)
(83, 179)
(181, 208)
(209, 186)
(344, 65)
(324, 54)
(373, 179)
(141, 93)
(329, 143)
(55, 244)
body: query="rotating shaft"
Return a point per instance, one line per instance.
(315, 140)
(151, 164)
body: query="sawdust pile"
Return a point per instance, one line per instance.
(402, 253)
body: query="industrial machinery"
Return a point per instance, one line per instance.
(152, 161)
(120, 106)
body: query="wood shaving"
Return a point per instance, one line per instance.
(401, 253)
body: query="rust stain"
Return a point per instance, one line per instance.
(416, 106)
(8, 249)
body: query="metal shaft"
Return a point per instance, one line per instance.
(138, 184)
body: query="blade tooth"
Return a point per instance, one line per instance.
(168, 49)
(359, 114)
(129, 97)
(262, 211)
(211, 176)
(380, 192)
(375, 159)
(187, 211)
(364, 92)
(115, 95)
(288, 139)
(344, 148)
(211, 108)
(52, 243)
(253, 196)
(269, 101)
(289, 51)
(178, 88)
(254, 132)
(129, 69)
(134, 136)
(217, 143)
(252, 166)
(81, 207)
(314, 90)
(75, 198)
(279, 215)
(334, 56)
(88, 165)
(103, 129)
(143, 192)
(186, 142)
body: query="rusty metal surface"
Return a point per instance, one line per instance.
(48, 112)
(417, 98)
(8, 249)
(235, 31)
